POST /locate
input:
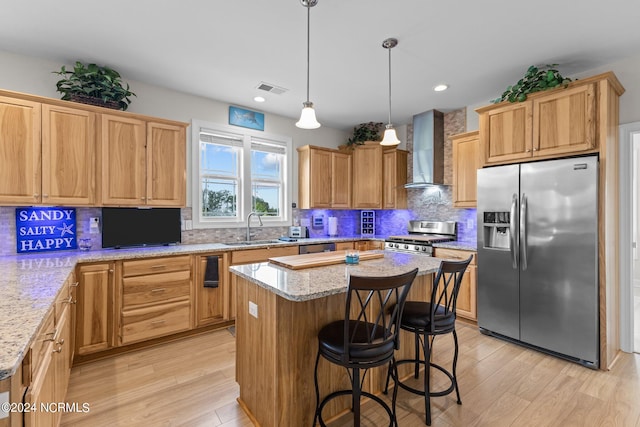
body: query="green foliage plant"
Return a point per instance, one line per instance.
(365, 132)
(534, 80)
(93, 81)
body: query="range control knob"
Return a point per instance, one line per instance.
(424, 249)
(417, 248)
(406, 246)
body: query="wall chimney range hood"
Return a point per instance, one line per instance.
(428, 149)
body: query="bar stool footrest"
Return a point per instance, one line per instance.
(451, 388)
(328, 398)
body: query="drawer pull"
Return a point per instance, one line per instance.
(75, 285)
(68, 300)
(158, 322)
(60, 342)
(52, 334)
(157, 290)
(158, 266)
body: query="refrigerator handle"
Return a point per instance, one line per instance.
(523, 231)
(512, 231)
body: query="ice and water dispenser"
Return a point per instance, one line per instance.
(496, 227)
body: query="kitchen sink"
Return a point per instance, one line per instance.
(253, 242)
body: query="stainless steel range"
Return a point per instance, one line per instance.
(422, 234)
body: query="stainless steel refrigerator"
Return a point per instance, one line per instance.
(538, 255)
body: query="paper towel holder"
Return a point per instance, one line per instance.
(332, 226)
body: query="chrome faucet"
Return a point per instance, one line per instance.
(249, 223)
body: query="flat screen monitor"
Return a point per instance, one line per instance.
(126, 227)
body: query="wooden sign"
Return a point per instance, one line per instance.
(45, 229)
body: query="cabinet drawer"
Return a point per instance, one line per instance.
(155, 265)
(150, 322)
(261, 255)
(454, 254)
(43, 342)
(155, 288)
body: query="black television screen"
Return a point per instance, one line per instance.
(123, 227)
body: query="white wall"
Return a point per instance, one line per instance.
(627, 71)
(34, 75)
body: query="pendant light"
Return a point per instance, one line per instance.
(308, 114)
(390, 137)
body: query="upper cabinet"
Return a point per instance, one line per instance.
(64, 153)
(548, 124)
(394, 167)
(465, 166)
(20, 151)
(324, 178)
(367, 176)
(143, 163)
(47, 154)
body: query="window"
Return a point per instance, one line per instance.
(236, 172)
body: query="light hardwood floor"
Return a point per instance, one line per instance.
(191, 383)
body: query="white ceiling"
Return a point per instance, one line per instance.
(224, 49)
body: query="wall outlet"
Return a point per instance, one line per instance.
(188, 224)
(94, 225)
(253, 309)
(470, 223)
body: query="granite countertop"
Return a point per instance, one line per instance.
(30, 283)
(312, 283)
(466, 245)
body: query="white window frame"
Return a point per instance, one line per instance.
(244, 198)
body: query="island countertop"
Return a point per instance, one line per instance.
(318, 282)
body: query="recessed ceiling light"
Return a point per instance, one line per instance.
(440, 87)
(258, 99)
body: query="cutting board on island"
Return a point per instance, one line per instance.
(298, 262)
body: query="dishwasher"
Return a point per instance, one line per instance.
(316, 247)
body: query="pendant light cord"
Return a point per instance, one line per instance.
(389, 49)
(308, 37)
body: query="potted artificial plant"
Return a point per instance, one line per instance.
(95, 85)
(534, 80)
(364, 132)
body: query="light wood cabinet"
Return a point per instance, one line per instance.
(156, 298)
(20, 151)
(143, 163)
(548, 124)
(466, 305)
(49, 365)
(465, 167)
(368, 245)
(212, 304)
(367, 176)
(343, 246)
(47, 155)
(68, 156)
(94, 308)
(341, 180)
(324, 178)
(394, 167)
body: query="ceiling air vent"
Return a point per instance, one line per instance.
(268, 87)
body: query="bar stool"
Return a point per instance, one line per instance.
(426, 320)
(366, 338)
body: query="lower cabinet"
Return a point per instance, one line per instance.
(47, 368)
(210, 297)
(94, 308)
(466, 305)
(155, 298)
(368, 245)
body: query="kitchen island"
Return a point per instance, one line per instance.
(280, 312)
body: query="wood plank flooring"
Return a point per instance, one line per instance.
(191, 383)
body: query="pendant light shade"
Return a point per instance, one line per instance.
(390, 137)
(308, 115)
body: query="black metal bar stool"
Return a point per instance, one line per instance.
(366, 338)
(426, 320)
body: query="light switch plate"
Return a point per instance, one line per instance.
(253, 309)
(94, 225)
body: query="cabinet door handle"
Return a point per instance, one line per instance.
(45, 196)
(75, 285)
(58, 350)
(60, 342)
